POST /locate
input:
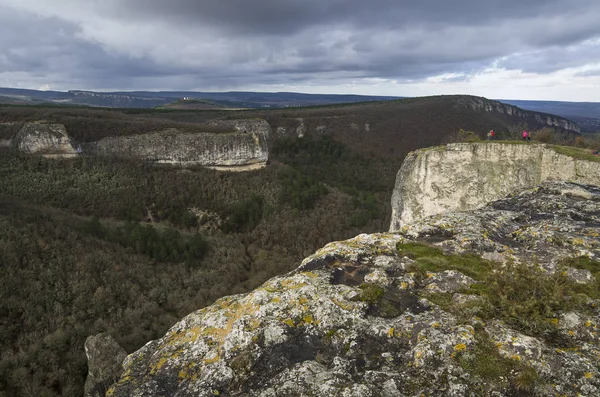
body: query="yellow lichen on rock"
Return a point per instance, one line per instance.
(460, 347)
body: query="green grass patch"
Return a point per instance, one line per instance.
(583, 262)
(524, 296)
(443, 300)
(431, 259)
(527, 298)
(516, 142)
(575, 152)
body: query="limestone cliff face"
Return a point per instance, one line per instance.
(48, 140)
(466, 176)
(483, 104)
(243, 148)
(356, 318)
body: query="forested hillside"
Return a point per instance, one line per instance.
(100, 245)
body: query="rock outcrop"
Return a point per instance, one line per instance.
(550, 120)
(465, 176)
(358, 318)
(548, 223)
(244, 148)
(48, 140)
(105, 364)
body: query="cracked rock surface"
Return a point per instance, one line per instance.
(355, 319)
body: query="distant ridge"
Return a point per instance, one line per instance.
(151, 99)
(587, 114)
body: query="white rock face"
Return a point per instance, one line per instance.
(244, 148)
(49, 140)
(465, 176)
(301, 129)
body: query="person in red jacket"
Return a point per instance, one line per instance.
(526, 136)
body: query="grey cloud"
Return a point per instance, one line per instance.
(288, 16)
(589, 73)
(181, 44)
(554, 58)
(49, 53)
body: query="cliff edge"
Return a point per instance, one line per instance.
(407, 314)
(464, 176)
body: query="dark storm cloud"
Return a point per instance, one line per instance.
(289, 16)
(213, 44)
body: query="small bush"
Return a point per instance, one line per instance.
(526, 298)
(545, 135)
(464, 136)
(527, 380)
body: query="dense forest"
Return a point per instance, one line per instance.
(93, 245)
(90, 245)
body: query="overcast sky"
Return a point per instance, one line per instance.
(538, 49)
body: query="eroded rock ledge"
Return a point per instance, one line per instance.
(466, 176)
(243, 148)
(358, 318)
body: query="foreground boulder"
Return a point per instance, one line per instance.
(105, 364)
(48, 140)
(369, 316)
(465, 176)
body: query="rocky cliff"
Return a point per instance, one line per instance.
(241, 146)
(244, 147)
(48, 140)
(466, 176)
(416, 313)
(550, 120)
